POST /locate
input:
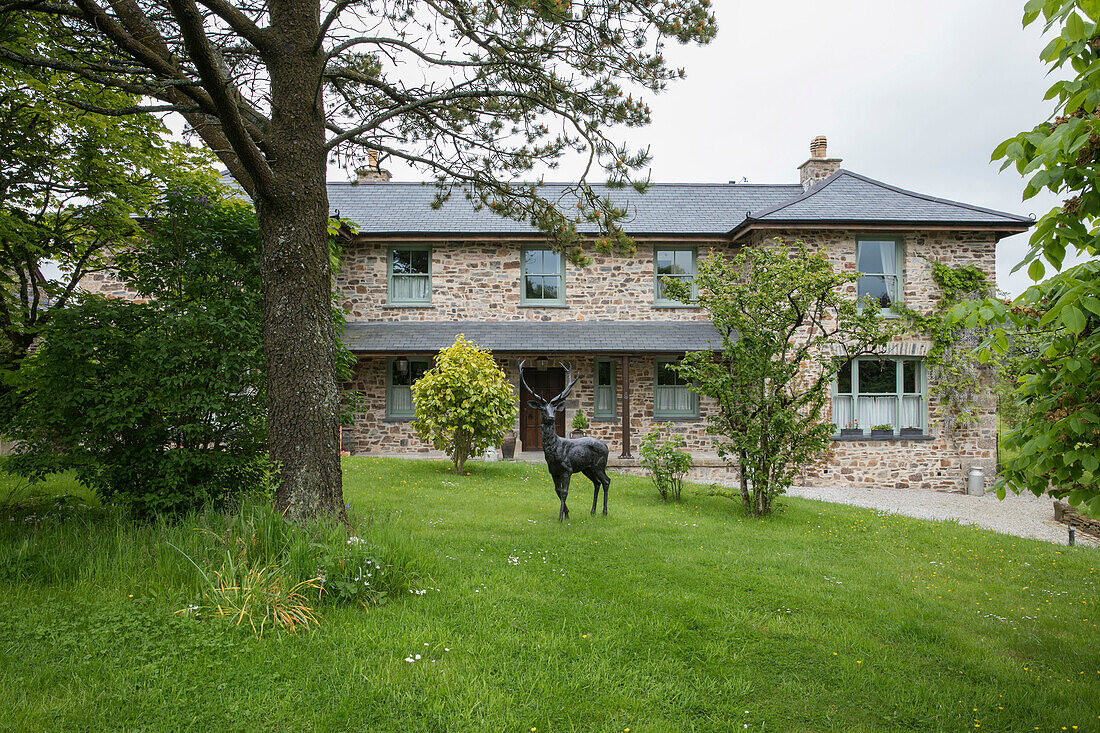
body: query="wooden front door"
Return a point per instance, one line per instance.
(547, 384)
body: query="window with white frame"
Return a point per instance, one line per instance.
(874, 391)
(605, 389)
(673, 395)
(400, 375)
(410, 275)
(879, 262)
(672, 263)
(543, 278)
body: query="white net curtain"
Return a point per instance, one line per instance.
(874, 392)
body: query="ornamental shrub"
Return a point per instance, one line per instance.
(465, 403)
(665, 463)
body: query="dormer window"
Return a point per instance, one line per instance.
(879, 261)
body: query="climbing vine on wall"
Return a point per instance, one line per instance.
(957, 379)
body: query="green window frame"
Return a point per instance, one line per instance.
(881, 263)
(399, 404)
(873, 391)
(542, 271)
(604, 390)
(673, 262)
(673, 396)
(410, 275)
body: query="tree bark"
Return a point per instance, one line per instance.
(299, 337)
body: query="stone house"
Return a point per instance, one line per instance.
(416, 276)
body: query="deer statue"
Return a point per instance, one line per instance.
(564, 456)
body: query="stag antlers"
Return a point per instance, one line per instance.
(569, 382)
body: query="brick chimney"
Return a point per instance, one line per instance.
(819, 167)
(372, 172)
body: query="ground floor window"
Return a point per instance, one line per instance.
(401, 372)
(605, 389)
(872, 391)
(673, 395)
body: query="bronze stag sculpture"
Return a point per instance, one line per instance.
(565, 456)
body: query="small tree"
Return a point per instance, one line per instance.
(778, 310)
(464, 404)
(665, 462)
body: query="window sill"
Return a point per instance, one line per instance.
(398, 419)
(684, 306)
(408, 305)
(680, 418)
(605, 419)
(882, 438)
(543, 305)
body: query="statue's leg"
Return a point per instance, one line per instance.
(606, 481)
(565, 494)
(595, 479)
(561, 499)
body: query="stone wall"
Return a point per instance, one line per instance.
(480, 281)
(373, 433)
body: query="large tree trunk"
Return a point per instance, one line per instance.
(299, 338)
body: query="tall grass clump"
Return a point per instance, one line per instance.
(250, 566)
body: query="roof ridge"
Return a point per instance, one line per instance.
(812, 191)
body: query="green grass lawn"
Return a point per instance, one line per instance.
(659, 617)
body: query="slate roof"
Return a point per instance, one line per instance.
(531, 337)
(396, 208)
(847, 197)
(700, 209)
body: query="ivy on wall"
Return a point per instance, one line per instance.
(957, 379)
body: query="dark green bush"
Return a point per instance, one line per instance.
(158, 403)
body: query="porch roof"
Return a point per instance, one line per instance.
(531, 337)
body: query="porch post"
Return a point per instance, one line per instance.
(625, 408)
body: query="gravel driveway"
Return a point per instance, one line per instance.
(1024, 515)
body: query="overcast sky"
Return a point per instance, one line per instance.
(916, 94)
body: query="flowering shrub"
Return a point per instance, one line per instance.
(665, 463)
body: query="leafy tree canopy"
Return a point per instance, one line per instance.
(1055, 444)
(71, 183)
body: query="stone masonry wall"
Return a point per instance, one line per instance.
(374, 433)
(480, 281)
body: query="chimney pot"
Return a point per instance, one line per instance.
(819, 166)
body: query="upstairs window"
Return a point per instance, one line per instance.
(872, 391)
(672, 263)
(410, 276)
(400, 375)
(605, 389)
(879, 262)
(543, 277)
(673, 395)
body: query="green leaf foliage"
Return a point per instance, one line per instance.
(158, 403)
(665, 463)
(72, 183)
(777, 308)
(464, 404)
(1053, 441)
